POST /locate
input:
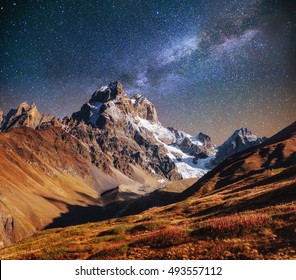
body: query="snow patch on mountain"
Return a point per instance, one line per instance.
(160, 133)
(195, 141)
(103, 88)
(187, 165)
(94, 111)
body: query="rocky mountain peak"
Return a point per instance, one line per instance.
(1, 118)
(240, 140)
(24, 115)
(113, 90)
(31, 110)
(244, 134)
(143, 108)
(27, 115)
(110, 106)
(22, 108)
(126, 129)
(205, 140)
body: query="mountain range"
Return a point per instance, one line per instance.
(113, 157)
(126, 131)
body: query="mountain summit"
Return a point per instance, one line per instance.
(111, 105)
(26, 115)
(240, 140)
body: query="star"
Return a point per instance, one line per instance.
(209, 66)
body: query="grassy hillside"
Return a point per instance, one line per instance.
(214, 226)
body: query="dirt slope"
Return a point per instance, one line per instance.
(45, 173)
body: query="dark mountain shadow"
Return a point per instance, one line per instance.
(285, 194)
(77, 215)
(88, 197)
(289, 173)
(271, 198)
(232, 169)
(54, 200)
(277, 154)
(155, 199)
(213, 211)
(231, 180)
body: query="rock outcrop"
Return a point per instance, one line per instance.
(1, 119)
(28, 116)
(199, 147)
(240, 140)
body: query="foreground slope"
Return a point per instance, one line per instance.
(243, 209)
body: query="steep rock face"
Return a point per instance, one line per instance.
(178, 134)
(240, 140)
(205, 140)
(1, 119)
(144, 108)
(185, 144)
(199, 147)
(28, 116)
(110, 105)
(119, 128)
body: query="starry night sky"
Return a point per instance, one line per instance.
(210, 66)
